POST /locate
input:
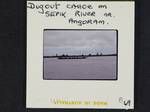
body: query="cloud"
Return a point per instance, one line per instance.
(79, 41)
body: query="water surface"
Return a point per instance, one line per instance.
(103, 67)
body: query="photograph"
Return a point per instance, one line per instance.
(80, 54)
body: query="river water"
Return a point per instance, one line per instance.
(103, 67)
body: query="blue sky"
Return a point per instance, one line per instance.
(75, 42)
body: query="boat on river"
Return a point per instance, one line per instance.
(72, 57)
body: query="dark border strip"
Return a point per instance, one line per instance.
(77, 110)
(84, 0)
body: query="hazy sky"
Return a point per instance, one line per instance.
(76, 42)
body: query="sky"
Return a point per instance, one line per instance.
(76, 42)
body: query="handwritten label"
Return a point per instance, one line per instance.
(81, 13)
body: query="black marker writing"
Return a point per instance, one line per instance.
(42, 7)
(55, 13)
(81, 14)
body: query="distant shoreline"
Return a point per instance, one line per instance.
(61, 56)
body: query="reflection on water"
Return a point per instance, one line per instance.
(103, 67)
